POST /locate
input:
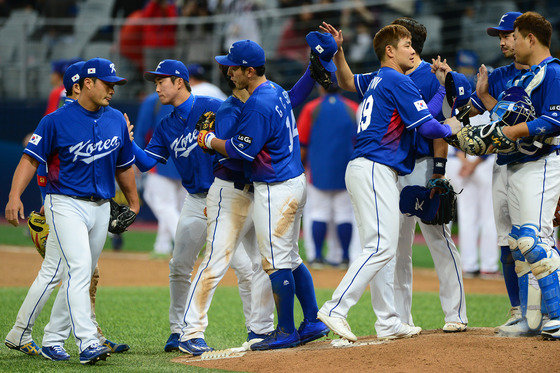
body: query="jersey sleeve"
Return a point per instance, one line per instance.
(157, 148)
(251, 137)
(411, 106)
(549, 120)
(126, 154)
(144, 122)
(361, 82)
(41, 142)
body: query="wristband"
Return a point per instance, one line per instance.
(208, 139)
(439, 166)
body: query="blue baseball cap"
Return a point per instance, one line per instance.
(415, 200)
(168, 68)
(243, 53)
(458, 92)
(506, 24)
(323, 45)
(102, 69)
(196, 70)
(72, 75)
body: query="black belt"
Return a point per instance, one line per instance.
(89, 198)
(244, 187)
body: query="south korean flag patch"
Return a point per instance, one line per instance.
(35, 139)
(420, 105)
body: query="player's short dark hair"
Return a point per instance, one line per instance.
(224, 69)
(259, 70)
(417, 31)
(81, 81)
(534, 23)
(174, 78)
(388, 35)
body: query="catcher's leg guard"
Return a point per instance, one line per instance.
(543, 265)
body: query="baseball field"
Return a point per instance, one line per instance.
(132, 307)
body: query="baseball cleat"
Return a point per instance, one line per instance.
(276, 340)
(55, 353)
(454, 327)
(406, 331)
(93, 354)
(551, 330)
(514, 317)
(172, 343)
(338, 326)
(195, 346)
(311, 330)
(116, 347)
(30, 348)
(519, 329)
(253, 338)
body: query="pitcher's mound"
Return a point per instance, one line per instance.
(475, 350)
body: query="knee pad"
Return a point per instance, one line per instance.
(528, 237)
(550, 288)
(521, 266)
(512, 237)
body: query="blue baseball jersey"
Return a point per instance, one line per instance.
(428, 86)
(176, 137)
(82, 149)
(151, 112)
(226, 127)
(546, 101)
(267, 136)
(392, 107)
(497, 83)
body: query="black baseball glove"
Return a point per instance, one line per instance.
(318, 71)
(476, 140)
(463, 117)
(447, 208)
(121, 218)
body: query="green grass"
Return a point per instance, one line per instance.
(138, 316)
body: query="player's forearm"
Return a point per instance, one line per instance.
(488, 101)
(301, 90)
(432, 129)
(127, 183)
(219, 145)
(435, 104)
(23, 174)
(142, 160)
(344, 74)
(518, 131)
(440, 148)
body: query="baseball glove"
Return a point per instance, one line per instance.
(447, 208)
(318, 71)
(121, 218)
(204, 125)
(476, 140)
(39, 231)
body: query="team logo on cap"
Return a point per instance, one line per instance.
(177, 72)
(503, 17)
(159, 65)
(75, 77)
(112, 66)
(319, 49)
(461, 91)
(91, 70)
(419, 206)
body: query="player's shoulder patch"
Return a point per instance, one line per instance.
(245, 139)
(420, 105)
(35, 139)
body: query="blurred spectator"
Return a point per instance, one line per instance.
(243, 24)
(326, 129)
(467, 63)
(124, 8)
(130, 40)
(158, 39)
(196, 40)
(199, 85)
(57, 92)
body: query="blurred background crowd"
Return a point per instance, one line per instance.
(40, 38)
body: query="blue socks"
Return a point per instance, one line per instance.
(345, 236)
(305, 292)
(319, 231)
(510, 277)
(283, 288)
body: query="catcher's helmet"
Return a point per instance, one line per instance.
(514, 107)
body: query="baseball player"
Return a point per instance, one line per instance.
(496, 84)
(392, 108)
(199, 84)
(163, 190)
(267, 139)
(532, 175)
(398, 273)
(82, 165)
(50, 274)
(326, 126)
(175, 137)
(230, 205)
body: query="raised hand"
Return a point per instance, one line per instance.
(129, 127)
(482, 81)
(337, 34)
